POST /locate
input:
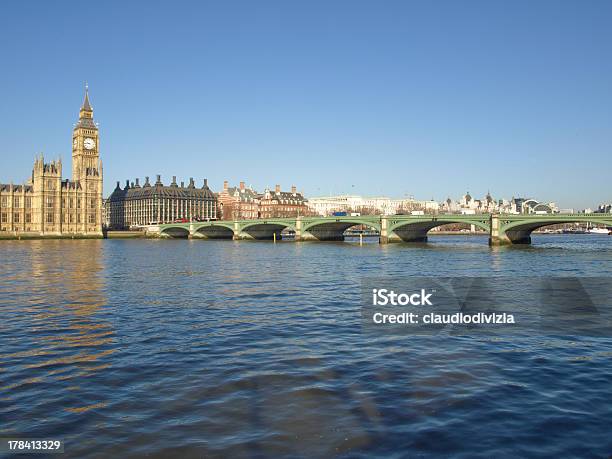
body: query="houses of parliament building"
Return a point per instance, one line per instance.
(46, 204)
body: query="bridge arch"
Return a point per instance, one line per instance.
(518, 231)
(415, 230)
(265, 230)
(213, 230)
(326, 230)
(176, 232)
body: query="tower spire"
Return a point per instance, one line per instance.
(86, 113)
(86, 104)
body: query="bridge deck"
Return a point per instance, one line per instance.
(502, 228)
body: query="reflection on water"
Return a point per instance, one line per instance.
(225, 348)
(55, 335)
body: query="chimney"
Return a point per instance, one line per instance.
(277, 188)
(173, 181)
(293, 189)
(206, 183)
(182, 184)
(127, 184)
(137, 184)
(225, 185)
(191, 183)
(241, 186)
(147, 182)
(118, 185)
(158, 182)
(132, 185)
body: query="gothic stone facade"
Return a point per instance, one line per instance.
(49, 205)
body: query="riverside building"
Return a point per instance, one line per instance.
(239, 202)
(381, 205)
(136, 205)
(277, 203)
(244, 203)
(47, 204)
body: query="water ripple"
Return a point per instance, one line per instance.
(208, 349)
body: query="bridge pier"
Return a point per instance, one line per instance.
(236, 236)
(495, 241)
(384, 231)
(500, 237)
(496, 237)
(298, 229)
(510, 237)
(394, 239)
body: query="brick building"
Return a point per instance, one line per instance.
(279, 203)
(238, 203)
(244, 203)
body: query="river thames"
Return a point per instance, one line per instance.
(126, 348)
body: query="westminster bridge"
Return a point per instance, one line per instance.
(501, 228)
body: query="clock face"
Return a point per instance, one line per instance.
(89, 143)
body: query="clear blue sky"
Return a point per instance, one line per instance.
(430, 98)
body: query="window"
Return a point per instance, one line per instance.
(16, 201)
(92, 218)
(28, 202)
(28, 218)
(71, 203)
(79, 203)
(49, 217)
(93, 204)
(71, 218)
(3, 201)
(49, 202)
(63, 203)
(16, 217)
(3, 217)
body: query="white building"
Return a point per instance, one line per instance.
(330, 204)
(381, 205)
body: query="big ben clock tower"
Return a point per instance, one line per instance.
(87, 166)
(85, 147)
